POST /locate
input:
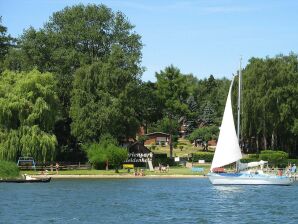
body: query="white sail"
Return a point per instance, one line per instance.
(227, 149)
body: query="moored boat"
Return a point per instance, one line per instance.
(27, 179)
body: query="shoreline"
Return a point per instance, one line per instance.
(119, 176)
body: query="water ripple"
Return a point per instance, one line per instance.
(146, 201)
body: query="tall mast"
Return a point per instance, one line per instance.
(239, 100)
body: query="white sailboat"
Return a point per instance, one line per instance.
(228, 151)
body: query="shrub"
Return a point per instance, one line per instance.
(207, 156)
(8, 170)
(248, 160)
(143, 138)
(152, 147)
(254, 156)
(293, 161)
(275, 158)
(204, 133)
(106, 151)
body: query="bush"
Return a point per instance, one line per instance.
(8, 170)
(275, 158)
(248, 160)
(207, 156)
(152, 147)
(106, 151)
(293, 161)
(204, 133)
(254, 156)
(143, 138)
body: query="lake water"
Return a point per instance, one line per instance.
(146, 201)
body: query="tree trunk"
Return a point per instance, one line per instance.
(273, 140)
(107, 165)
(171, 147)
(264, 141)
(257, 143)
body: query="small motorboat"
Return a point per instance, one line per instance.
(27, 179)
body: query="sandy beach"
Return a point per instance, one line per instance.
(118, 176)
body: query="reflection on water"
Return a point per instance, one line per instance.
(229, 189)
(145, 201)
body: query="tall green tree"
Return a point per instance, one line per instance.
(270, 94)
(173, 92)
(29, 108)
(6, 42)
(103, 99)
(148, 105)
(72, 38)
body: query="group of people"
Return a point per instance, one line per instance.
(139, 172)
(46, 172)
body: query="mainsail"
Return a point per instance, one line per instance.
(227, 149)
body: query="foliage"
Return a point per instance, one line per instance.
(207, 156)
(248, 160)
(275, 158)
(96, 155)
(29, 107)
(293, 161)
(143, 138)
(270, 105)
(73, 38)
(102, 100)
(172, 90)
(204, 133)
(165, 125)
(162, 159)
(148, 106)
(117, 156)
(106, 151)
(6, 42)
(8, 169)
(211, 96)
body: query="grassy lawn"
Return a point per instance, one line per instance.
(183, 149)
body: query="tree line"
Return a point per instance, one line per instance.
(78, 78)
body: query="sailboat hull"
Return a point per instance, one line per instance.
(248, 179)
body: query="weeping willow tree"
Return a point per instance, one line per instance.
(28, 111)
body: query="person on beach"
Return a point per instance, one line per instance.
(293, 169)
(57, 168)
(289, 170)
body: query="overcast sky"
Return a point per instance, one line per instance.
(201, 37)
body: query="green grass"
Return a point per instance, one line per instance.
(188, 148)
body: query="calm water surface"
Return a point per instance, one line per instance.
(146, 201)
